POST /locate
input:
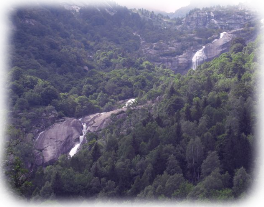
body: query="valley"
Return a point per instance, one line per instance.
(106, 102)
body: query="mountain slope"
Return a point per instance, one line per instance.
(76, 5)
(182, 12)
(190, 34)
(78, 62)
(200, 142)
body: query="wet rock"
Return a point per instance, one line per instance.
(57, 140)
(219, 46)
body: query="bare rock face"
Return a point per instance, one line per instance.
(217, 17)
(177, 54)
(219, 46)
(62, 137)
(99, 121)
(57, 140)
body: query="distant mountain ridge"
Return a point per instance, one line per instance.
(199, 4)
(76, 5)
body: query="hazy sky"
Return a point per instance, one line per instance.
(159, 5)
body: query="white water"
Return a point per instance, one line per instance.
(222, 34)
(130, 102)
(214, 40)
(40, 134)
(75, 149)
(198, 58)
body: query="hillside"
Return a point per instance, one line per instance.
(200, 144)
(199, 28)
(182, 12)
(54, 64)
(106, 102)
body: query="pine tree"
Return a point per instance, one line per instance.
(173, 166)
(194, 157)
(211, 163)
(96, 152)
(57, 185)
(13, 178)
(241, 182)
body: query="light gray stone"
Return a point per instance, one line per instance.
(57, 140)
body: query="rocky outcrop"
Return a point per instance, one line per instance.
(62, 137)
(57, 140)
(212, 50)
(99, 121)
(218, 46)
(169, 54)
(218, 17)
(196, 30)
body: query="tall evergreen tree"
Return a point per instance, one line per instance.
(13, 178)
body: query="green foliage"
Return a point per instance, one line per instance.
(188, 137)
(13, 180)
(191, 154)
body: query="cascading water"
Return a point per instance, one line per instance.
(77, 146)
(129, 102)
(40, 134)
(198, 58)
(222, 34)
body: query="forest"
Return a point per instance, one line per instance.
(200, 145)
(192, 138)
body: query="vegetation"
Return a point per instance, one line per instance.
(13, 178)
(194, 141)
(54, 63)
(201, 145)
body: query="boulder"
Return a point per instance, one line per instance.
(57, 140)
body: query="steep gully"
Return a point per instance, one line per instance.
(67, 136)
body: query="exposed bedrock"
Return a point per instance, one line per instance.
(57, 140)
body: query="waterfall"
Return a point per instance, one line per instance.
(198, 58)
(129, 102)
(40, 134)
(222, 34)
(77, 146)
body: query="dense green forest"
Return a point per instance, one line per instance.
(201, 144)
(192, 138)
